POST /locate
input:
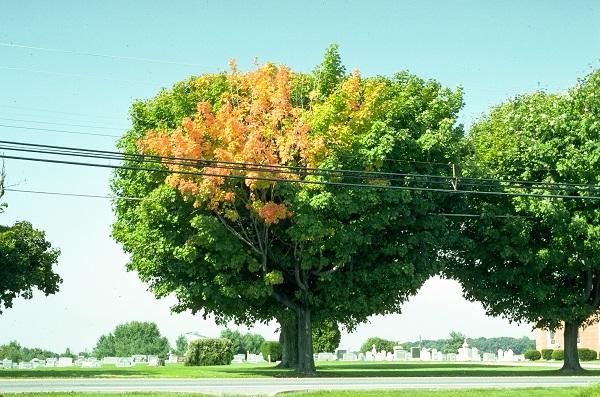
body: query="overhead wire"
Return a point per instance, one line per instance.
(99, 55)
(274, 173)
(65, 124)
(57, 130)
(286, 169)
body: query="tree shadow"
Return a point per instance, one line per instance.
(364, 370)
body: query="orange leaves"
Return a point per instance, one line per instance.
(272, 213)
(254, 122)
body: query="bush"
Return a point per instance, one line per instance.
(380, 345)
(533, 355)
(558, 355)
(273, 348)
(210, 351)
(547, 354)
(586, 354)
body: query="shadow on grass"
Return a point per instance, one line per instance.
(363, 370)
(333, 370)
(75, 373)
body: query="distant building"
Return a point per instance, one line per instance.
(192, 336)
(588, 337)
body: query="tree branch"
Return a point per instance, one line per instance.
(299, 282)
(237, 234)
(596, 300)
(284, 300)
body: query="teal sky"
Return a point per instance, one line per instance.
(494, 49)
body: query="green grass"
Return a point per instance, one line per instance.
(527, 392)
(593, 391)
(326, 369)
(72, 394)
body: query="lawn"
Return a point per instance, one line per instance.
(325, 369)
(529, 392)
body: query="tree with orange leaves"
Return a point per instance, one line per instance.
(249, 225)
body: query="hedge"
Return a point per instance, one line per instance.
(532, 355)
(272, 348)
(209, 351)
(586, 354)
(547, 354)
(558, 354)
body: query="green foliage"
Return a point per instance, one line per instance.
(380, 345)
(27, 260)
(243, 343)
(532, 355)
(558, 354)
(330, 73)
(546, 138)
(547, 354)
(105, 346)
(272, 348)
(484, 345)
(17, 353)
(361, 251)
(326, 336)
(454, 343)
(209, 351)
(181, 345)
(586, 354)
(135, 337)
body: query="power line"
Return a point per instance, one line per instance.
(84, 195)
(294, 170)
(99, 55)
(60, 112)
(65, 124)
(305, 181)
(73, 194)
(84, 76)
(62, 131)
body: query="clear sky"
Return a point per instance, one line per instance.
(494, 49)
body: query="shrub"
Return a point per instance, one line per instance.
(380, 345)
(547, 354)
(558, 354)
(533, 355)
(273, 348)
(586, 354)
(210, 351)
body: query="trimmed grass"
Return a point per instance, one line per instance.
(528, 392)
(325, 369)
(72, 394)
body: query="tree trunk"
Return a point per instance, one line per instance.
(306, 362)
(571, 362)
(289, 343)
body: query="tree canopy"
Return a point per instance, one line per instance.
(248, 226)
(537, 258)
(326, 336)
(135, 337)
(380, 345)
(243, 343)
(27, 261)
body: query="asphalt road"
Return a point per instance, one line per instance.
(272, 386)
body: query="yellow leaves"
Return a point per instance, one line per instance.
(272, 213)
(351, 89)
(255, 123)
(274, 277)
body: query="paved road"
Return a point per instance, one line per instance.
(272, 386)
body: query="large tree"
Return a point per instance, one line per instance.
(537, 258)
(135, 337)
(255, 227)
(26, 261)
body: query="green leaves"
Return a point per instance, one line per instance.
(27, 261)
(535, 265)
